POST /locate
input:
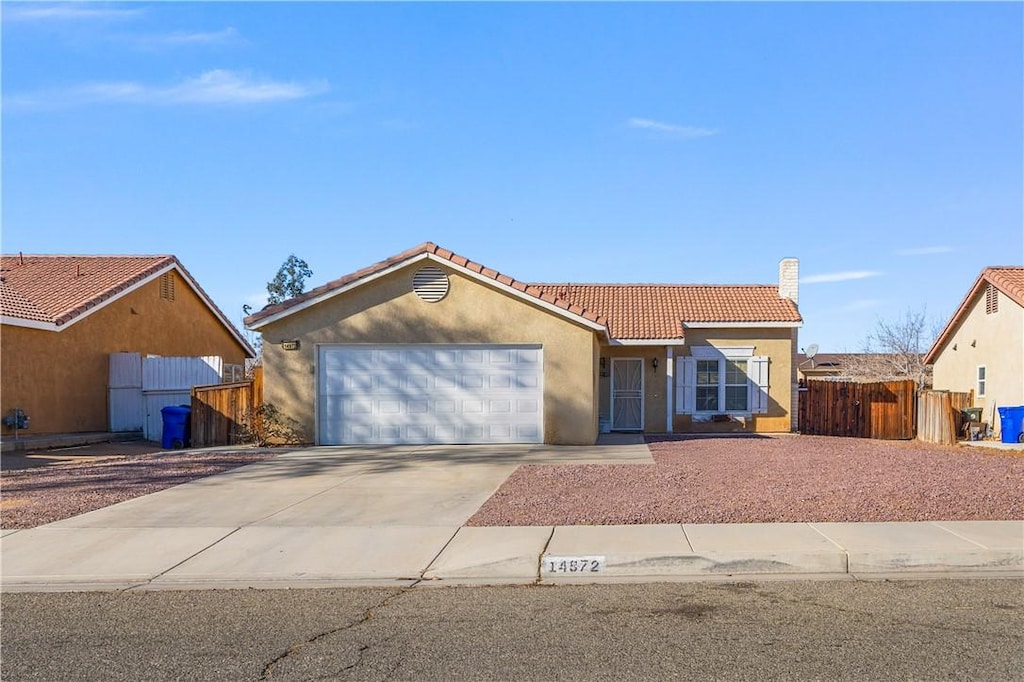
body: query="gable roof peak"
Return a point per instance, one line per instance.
(273, 312)
(54, 291)
(1008, 279)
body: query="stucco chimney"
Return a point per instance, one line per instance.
(789, 279)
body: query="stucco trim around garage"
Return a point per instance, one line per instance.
(255, 323)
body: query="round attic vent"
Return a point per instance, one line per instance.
(430, 283)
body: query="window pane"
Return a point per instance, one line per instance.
(735, 372)
(736, 398)
(707, 372)
(707, 399)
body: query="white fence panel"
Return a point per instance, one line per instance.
(169, 374)
(139, 387)
(125, 370)
(125, 392)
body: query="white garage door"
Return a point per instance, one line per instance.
(430, 394)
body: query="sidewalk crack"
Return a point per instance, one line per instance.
(183, 561)
(540, 557)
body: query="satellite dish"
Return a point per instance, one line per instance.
(811, 351)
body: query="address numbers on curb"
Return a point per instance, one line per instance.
(572, 564)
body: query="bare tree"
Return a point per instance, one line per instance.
(895, 350)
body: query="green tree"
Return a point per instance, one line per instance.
(290, 280)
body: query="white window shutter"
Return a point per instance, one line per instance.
(686, 385)
(757, 373)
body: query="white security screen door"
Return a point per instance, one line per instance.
(627, 394)
(404, 394)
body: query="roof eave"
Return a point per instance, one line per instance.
(943, 338)
(29, 324)
(778, 324)
(69, 319)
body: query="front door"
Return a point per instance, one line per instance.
(627, 394)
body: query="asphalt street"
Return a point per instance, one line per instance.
(935, 629)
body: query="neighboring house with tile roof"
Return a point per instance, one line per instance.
(62, 317)
(431, 347)
(981, 348)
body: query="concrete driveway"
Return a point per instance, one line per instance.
(324, 513)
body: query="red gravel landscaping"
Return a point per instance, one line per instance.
(767, 479)
(43, 494)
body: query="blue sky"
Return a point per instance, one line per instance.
(881, 144)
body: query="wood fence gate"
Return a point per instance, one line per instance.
(221, 413)
(940, 416)
(884, 409)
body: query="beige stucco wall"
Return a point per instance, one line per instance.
(777, 344)
(386, 310)
(60, 378)
(998, 343)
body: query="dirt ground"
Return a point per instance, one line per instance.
(77, 454)
(764, 480)
(59, 484)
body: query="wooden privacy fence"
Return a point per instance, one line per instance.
(882, 409)
(940, 415)
(221, 412)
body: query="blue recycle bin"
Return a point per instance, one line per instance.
(177, 420)
(1011, 424)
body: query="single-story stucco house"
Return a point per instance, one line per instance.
(63, 316)
(430, 347)
(981, 348)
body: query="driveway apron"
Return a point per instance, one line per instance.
(342, 513)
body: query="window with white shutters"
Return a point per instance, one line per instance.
(721, 381)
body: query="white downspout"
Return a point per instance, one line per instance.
(669, 385)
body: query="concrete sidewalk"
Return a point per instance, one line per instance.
(60, 558)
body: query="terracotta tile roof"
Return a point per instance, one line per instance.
(1009, 279)
(659, 311)
(56, 289)
(627, 311)
(425, 248)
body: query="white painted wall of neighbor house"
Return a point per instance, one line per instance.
(995, 340)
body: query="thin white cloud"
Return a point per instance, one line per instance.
(212, 87)
(839, 276)
(670, 129)
(862, 304)
(186, 38)
(923, 251)
(67, 12)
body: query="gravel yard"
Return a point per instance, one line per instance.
(43, 494)
(767, 479)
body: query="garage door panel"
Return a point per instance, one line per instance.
(527, 433)
(430, 394)
(527, 406)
